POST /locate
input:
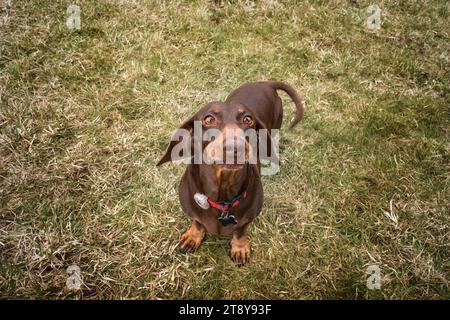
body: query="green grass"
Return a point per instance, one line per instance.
(85, 115)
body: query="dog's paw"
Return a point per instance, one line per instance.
(190, 241)
(240, 252)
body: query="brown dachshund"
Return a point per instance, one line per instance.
(224, 198)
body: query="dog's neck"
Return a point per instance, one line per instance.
(221, 184)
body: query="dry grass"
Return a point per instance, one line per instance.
(84, 116)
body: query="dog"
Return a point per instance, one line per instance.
(224, 198)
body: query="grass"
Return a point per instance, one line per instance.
(85, 115)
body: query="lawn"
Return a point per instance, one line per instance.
(86, 114)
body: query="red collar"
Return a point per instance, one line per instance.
(225, 206)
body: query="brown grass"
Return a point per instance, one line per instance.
(85, 115)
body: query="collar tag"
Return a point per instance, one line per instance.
(227, 219)
(201, 200)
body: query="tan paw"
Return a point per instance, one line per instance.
(240, 252)
(190, 241)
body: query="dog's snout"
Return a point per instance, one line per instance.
(234, 144)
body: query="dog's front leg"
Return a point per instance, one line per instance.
(191, 239)
(240, 246)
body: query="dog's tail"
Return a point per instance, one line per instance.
(294, 96)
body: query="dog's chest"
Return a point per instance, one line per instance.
(210, 220)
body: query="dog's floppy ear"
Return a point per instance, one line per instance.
(179, 137)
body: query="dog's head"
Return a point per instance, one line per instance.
(220, 134)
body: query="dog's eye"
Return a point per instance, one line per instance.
(209, 120)
(248, 120)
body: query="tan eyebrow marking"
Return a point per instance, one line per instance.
(241, 109)
(215, 109)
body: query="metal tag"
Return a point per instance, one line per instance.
(227, 219)
(201, 200)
